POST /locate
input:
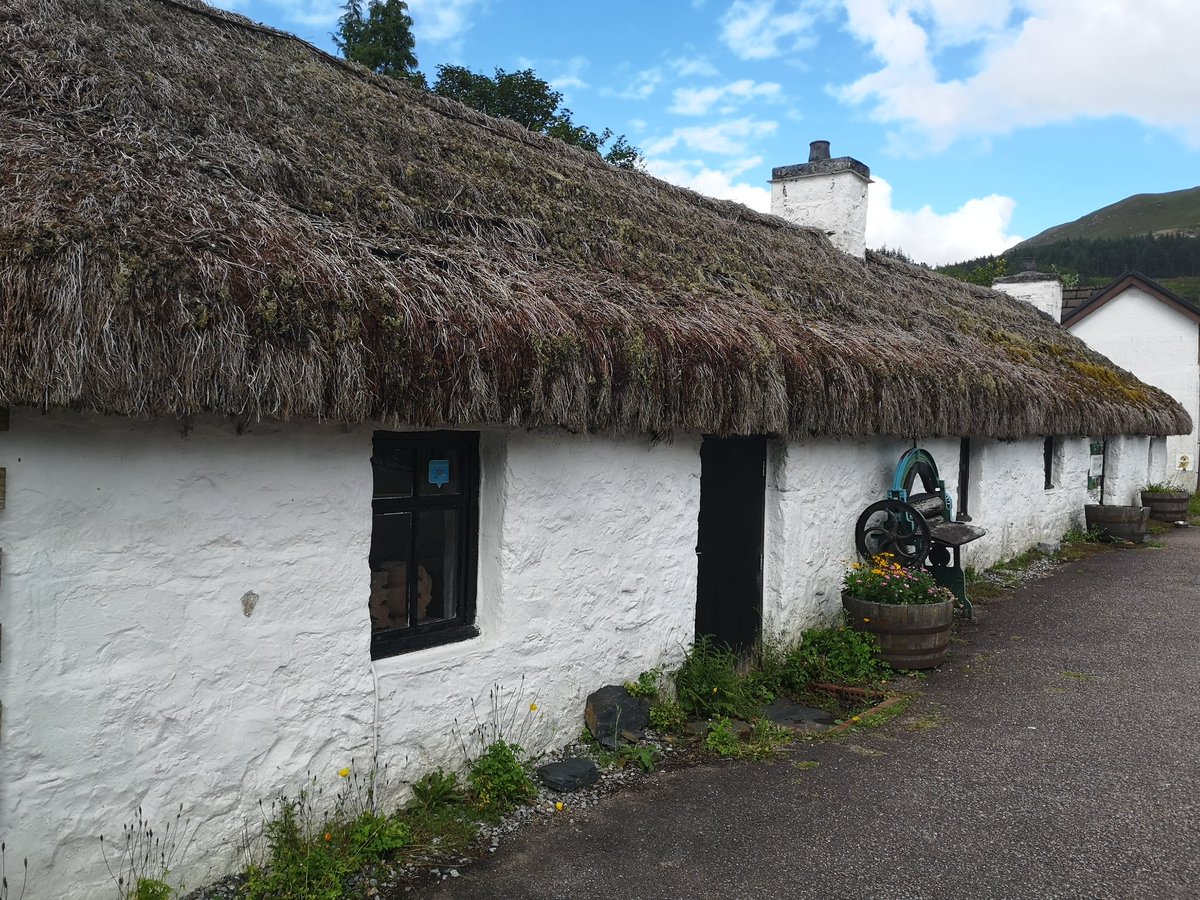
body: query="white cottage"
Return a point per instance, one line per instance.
(335, 404)
(1155, 334)
(1145, 328)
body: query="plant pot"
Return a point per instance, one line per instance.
(910, 636)
(1121, 523)
(1167, 506)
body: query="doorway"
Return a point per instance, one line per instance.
(729, 547)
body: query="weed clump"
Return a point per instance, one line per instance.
(708, 684)
(498, 780)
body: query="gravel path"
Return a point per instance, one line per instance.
(1055, 755)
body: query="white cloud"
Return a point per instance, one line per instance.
(692, 67)
(1033, 62)
(761, 29)
(639, 87)
(698, 101)
(442, 21)
(721, 183)
(729, 138)
(570, 74)
(976, 228)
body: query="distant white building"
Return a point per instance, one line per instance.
(1144, 328)
(1155, 334)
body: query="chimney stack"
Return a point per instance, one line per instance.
(827, 194)
(1043, 290)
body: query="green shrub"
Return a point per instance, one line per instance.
(1076, 536)
(640, 754)
(436, 788)
(836, 655)
(152, 889)
(707, 684)
(764, 740)
(498, 781)
(646, 684)
(371, 836)
(1158, 487)
(303, 861)
(667, 717)
(721, 738)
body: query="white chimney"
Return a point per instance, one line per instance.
(1043, 290)
(827, 194)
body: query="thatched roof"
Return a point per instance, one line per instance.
(199, 214)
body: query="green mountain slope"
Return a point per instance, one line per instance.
(1173, 212)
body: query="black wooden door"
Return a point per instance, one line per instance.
(730, 543)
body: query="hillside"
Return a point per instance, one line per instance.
(1169, 213)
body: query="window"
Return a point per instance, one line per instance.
(1051, 461)
(964, 479)
(425, 512)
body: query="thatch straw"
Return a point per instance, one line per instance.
(199, 214)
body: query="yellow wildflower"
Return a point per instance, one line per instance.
(714, 690)
(865, 619)
(558, 805)
(344, 773)
(533, 707)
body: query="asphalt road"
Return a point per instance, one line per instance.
(1055, 755)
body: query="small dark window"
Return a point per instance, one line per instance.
(1048, 450)
(964, 479)
(425, 512)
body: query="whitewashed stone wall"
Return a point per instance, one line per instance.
(132, 675)
(815, 492)
(817, 489)
(1126, 469)
(1159, 345)
(185, 617)
(1008, 496)
(1042, 292)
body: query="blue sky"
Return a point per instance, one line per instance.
(983, 121)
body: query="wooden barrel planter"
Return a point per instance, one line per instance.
(1167, 506)
(1121, 523)
(910, 637)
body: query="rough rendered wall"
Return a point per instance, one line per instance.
(817, 489)
(595, 551)
(815, 493)
(1045, 295)
(131, 671)
(834, 203)
(132, 675)
(1126, 469)
(1008, 495)
(1159, 346)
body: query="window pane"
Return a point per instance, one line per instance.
(391, 543)
(440, 472)
(439, 555)
(393, 468)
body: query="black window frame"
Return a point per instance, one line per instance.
(1051, 448)
(392, 642)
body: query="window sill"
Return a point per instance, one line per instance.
(388, 645)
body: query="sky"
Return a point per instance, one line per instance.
(983, 122)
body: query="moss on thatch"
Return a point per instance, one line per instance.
(199, 214)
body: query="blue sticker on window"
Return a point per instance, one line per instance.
(439, 471)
